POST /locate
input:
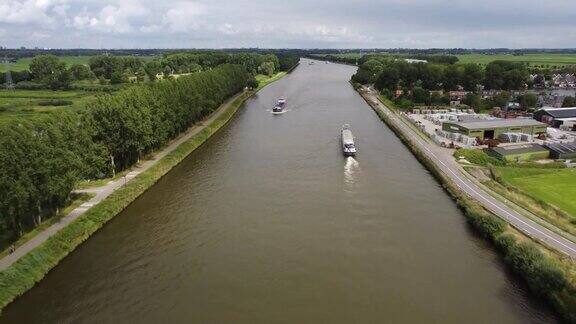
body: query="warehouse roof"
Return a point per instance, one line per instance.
(497, 123)
(562, 147)
(560, 112)
(518, 149)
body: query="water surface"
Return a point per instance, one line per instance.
(269, 223)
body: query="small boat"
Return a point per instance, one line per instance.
(280, 106)
(311, 63)
(348, 147)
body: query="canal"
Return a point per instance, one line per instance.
(269, 223)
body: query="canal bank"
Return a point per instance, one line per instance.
(267, 222)
(30, 262)
(546, 272)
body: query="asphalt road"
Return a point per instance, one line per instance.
(443, 159)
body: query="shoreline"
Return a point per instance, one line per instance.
(26, 271)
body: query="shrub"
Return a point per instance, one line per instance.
(478, 157)
(543, 276)
(533, 165)
(54, 102)
(27, 85)
(488, 225)
(505, 241)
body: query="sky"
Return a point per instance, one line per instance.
(288, 23)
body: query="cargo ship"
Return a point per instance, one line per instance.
(280, 106)
(348, 147)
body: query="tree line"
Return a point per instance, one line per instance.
(43, 156)
(425, 83)
(51, 72)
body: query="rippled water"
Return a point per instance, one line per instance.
(269, 223)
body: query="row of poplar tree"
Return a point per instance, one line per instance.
(43, 156)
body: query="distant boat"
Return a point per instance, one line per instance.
(280, 106)
(311, 63)
(348, 147)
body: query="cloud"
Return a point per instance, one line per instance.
(182, 16)
(40, 12)
(112, 18)
(294, 23)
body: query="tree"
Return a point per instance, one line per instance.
(452, 77)
(420, 95)
(118, 77)
(50, 71)
(473, 100)
(80, 72)
(505, 75)
(528, 100)
(472, 76)
(105, 65)
(388, 79)
(501, 99)
(266, 68)
(152, 68)
(569, 101)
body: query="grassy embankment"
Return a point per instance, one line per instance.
(75, 201)
(264, 80)
(548, 274)
(31, 268)
(545, 190)
(546, 193)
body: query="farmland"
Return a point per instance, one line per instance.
(548, 60)
(23, 63)
(28, 101)
(355, 55)
(554, 186)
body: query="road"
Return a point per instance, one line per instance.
(446, 163)
(104, 191)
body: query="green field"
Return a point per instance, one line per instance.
(23, 63)
(355, 55)
(548, 60)
(28, 101)
(554, 186)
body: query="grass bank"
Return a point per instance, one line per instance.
(549, 275)
(31, 268)
(75, 201)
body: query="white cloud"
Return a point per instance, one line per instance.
(228, 29)
(112, 18)
(30, 11)
(182, 17)
(294, 23)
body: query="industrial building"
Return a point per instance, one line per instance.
(564, 151)
(519, 153)
(492, 129)
(557, 117)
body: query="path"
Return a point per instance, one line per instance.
(105, 190)
(447, 164)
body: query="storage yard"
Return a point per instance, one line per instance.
(517, 139)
